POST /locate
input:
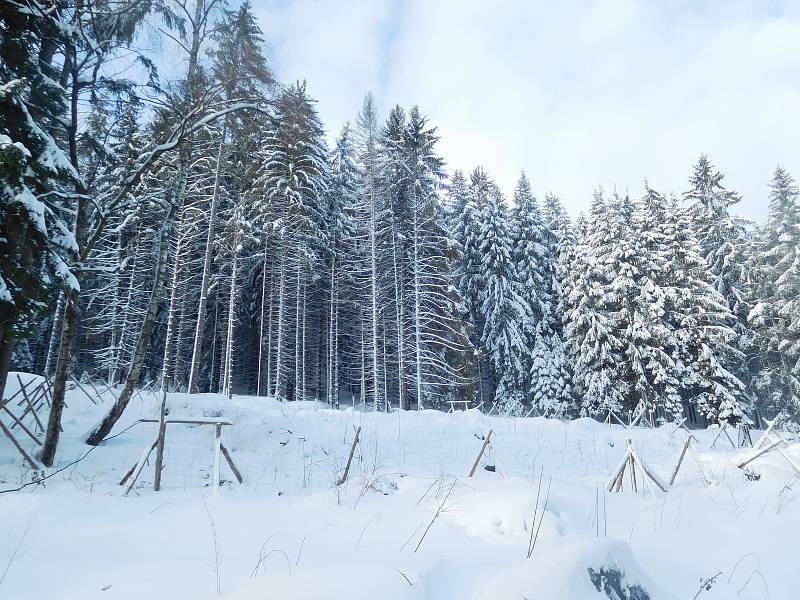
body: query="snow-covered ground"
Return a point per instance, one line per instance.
(290, 533)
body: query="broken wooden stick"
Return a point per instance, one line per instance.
(350, 458)
(228, 458)
(763, 450)
(680, 460)
(486, 441)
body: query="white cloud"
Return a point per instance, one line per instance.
(575, 93)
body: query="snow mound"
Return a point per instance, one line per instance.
(578, 571)
(495, 510)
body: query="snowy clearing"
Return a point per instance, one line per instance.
(288, 532)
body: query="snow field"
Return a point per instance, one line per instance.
(289, 532)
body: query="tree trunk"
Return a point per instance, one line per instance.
(376, 376)
(52, 352)
(261, 326)
(398, 300)
(303, 377)
(270, 352)
(48, 452)
(417, 306)
(331, 321)
(197, 351)
(280, 383)
(297, 384)
(227, 387)
(6, 349)
(165, 367)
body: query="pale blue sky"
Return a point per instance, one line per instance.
(576, 93)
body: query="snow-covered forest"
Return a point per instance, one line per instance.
(209, 234)
(203, 235)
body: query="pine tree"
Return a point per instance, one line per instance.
(241, 70)
(436, 328)
(504, 311)
(341, 230)
(704, 334)
(532, 274)
(776, 312)
(590, 324)
(554, 393)
(370, 193)
(35, 243)
(293, 184)
(722, 239)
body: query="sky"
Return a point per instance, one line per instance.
(577, 94)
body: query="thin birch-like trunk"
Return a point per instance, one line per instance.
(52, 346)
(297, 339)
(280, 383)
(373, 226)
(228, 383)
(261, 326)
(417, 324)
(197, 350)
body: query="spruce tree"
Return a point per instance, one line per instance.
(35, 243)
(590, 330)
(704, 336)
(533, 275)
(503, 309)
(723, 243)
(775, 291)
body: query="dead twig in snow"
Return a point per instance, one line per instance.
(404, 577)
(262, 557)
(706, 585)
(436, 515)
(756, 571)
(17, 548)
(216, 548)
(541, 518)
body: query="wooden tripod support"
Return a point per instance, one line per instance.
(629, 462)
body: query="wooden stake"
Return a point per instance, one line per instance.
(22, 386)
(132, 469)
(680, 460)
(615, 482)
(765, 438)
(21, 424)
(747, 461)
(14, 441)
(161, 439)
(228, 458)
(139, 466)
(217, 444)
(87, 394)
(646, 470)
(350, 458)
(30, 404)
(486, 441)
(723, 428)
